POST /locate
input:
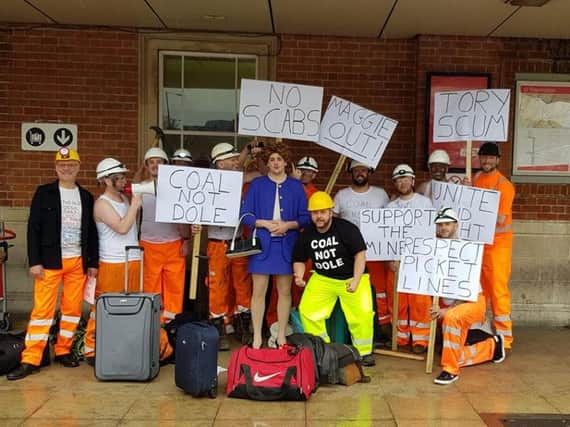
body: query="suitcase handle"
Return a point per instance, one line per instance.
(141, 269)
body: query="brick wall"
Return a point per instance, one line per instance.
(85, 77)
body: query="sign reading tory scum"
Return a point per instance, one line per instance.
(476, 207)
(387, 231)
(355, 132)
(280, 110)
(198, 196)
(476, 115)
(445, 267)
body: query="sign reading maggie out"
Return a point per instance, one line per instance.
(388, 231)
(445, 267)
(198, 196)
(476, 115)
(476, 207)
(280, 110)
(356, 132)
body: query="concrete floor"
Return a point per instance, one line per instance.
(535, 378)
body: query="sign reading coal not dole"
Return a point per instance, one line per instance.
(355, 132)
(280, 110)
(448, 268)
(476, 207)
(387, 231)
(471, 115)
(190, 195)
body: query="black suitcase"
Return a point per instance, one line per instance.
(196, 369)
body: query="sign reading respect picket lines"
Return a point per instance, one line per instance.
(476, 115)
(280, 110)
(190, 195)
(388, 231)
(445, 267)
(355, 132)
(476, 207)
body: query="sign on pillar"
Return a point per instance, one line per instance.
(48, 136)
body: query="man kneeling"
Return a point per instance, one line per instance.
(457, 319)
(338, 252)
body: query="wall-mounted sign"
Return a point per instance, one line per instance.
(48, 136)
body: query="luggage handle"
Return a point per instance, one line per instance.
(268, 394)
(141, 269)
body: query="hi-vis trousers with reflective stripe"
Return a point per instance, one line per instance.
(495, 275)
(45, 297)
(319, 299)
(413, 319)
(110, 278)
(455, 327)
(382, 279)
(164, 274)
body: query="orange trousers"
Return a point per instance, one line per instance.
(296, 294)
(111, 278)
(45, 297)
(229, 283)
(413, 319)
(455, 326)
(495, 276)
(164, 274)
(382, 279)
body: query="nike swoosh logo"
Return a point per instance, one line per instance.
(259, 379)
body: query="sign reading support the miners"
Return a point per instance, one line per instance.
(355, 132)
(387, 231)
(280, 110)
(448, 268)
(471, 115)
(190, 195)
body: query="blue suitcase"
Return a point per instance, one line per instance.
(196, 369)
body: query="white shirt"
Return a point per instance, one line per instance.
(152, 231)
(112, 244)
(70, 222)
(416, 201)
(348, 203)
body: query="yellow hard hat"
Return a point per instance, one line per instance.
(65, 154)
(319, 201)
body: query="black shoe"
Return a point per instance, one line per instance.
(445, 378)
(418, 349)
(90, 360)
(499, 354)
(368, 360)
(67, 360)
(224, 342)
(22, 371)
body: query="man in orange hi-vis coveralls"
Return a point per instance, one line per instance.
(496, 269)
(457, 319)
(62, 247)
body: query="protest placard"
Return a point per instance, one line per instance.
(471, 115)
(190, 195)
(476, 207)
(355, 132)
(280, 110)
(387, 231)
(448, 268)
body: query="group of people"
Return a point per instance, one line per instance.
(310, 243)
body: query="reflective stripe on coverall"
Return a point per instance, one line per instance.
(45, 298)
(382, 279)
(319, 299)
(413, 319)
(455, 327)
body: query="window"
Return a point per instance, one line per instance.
(199, 99)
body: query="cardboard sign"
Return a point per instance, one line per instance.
(476, 207)
(445, 267)
(356, 132)
(189, 195)
(476, 115)
(387, 231)
(280, 110)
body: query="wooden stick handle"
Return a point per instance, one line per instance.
(431, 344)
(395, 304)
(468, 149)
(398, 354)
(335, 174)
(194, 267)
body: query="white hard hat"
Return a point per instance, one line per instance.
(108, 167)
(308, 163)
(223, 151)
(403, 170)
(439, 156)
(355, 163)
(446, 215)
(155, 152)
(183, 155)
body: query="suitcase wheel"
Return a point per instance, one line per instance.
(213, 392)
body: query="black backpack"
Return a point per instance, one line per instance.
(326, 359)
(11, 347)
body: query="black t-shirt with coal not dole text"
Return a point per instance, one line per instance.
(332, 252)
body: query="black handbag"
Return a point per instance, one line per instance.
(243, 247)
